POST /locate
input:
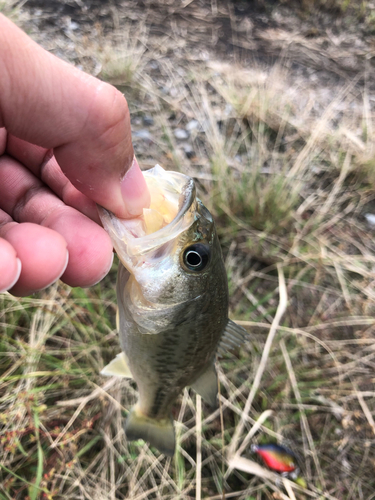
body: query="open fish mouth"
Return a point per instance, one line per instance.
(172, 210)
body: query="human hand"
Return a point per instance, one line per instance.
(65, 144)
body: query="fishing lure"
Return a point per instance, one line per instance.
(278, 458)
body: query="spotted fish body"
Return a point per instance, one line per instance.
(172, 304)
(165, 362)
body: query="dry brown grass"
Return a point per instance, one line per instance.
(355, 7)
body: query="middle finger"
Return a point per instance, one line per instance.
(43, 165)
(26, 199)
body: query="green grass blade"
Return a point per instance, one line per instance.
(33, 490)
(89, 445)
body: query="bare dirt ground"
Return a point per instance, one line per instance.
(323, 49)
(320, 51)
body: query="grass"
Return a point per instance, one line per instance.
(288, 186)
(8, 7)
(123, 59)
(358, 7)
(348, 12)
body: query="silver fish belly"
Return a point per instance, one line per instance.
(172, 297)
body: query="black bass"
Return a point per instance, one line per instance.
(172, 297)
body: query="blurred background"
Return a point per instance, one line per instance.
(269, 106)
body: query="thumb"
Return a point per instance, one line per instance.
(100, 160)
(86, 122)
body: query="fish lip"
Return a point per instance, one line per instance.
(130, 247)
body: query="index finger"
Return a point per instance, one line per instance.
(48, 102)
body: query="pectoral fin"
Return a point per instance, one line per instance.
(233, 336)
(206, 386)
(117, 320)
(118, 367)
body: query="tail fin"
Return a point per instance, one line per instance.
(159, 433)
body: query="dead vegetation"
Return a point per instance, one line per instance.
(286, 165)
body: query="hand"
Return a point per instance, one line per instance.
(65, 144)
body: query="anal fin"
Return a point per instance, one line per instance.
(206, 386)
(118, 367)
(233, 336)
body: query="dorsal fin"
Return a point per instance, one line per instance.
(233, 336)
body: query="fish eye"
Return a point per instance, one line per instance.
(196, 257)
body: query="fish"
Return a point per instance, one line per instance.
(278, 458)
(172, 296)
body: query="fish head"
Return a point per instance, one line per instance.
(172, 249)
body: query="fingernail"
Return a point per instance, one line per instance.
(18, 273)
(134, 190)
(103, 275)
(66, 263)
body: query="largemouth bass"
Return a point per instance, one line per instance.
(172, 298)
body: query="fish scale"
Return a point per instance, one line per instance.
(172, 297)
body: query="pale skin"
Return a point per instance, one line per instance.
(65, 145)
